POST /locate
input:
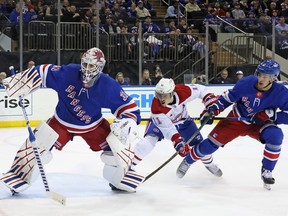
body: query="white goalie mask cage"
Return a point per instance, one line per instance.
(92, 63)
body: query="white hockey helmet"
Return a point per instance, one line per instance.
(92, 64)
(164, 88)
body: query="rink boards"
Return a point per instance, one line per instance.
(41, 105)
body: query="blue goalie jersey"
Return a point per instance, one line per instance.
(79, 107)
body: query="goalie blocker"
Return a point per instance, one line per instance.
(118, 161)
(24, 169)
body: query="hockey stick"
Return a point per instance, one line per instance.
(175, 154)
(53, 195)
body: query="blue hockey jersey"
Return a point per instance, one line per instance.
(248, 100)
(79, 108)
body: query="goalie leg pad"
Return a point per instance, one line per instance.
(124, 181)
(117, 164)
(24, 169)
(108, 158)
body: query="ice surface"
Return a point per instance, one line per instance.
(76, 173)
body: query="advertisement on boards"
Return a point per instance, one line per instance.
(11, 106)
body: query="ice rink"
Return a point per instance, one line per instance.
(76, 173)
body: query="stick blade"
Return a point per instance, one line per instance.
(57, 197)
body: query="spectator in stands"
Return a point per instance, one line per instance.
(224, 26)
(120, 79)
(146, 80)
(109, 26)
(157, 74)
(130, 2)
(149, 7)
(72, 15)
(238, 15)
(201, 79)
(192, 6)
(30, 64)
(172, 10)
(169, 26)
(94, 24)
(251, 24)
(275, 16)
(239, 75)
(120, 24)
(284, 8)
(282, 44)
(219, 11)
(118, 13)
(272, 7)
(131, 12)
(123, 44)
(142, 12)
(28, 15)
(244, 6)
(65, 7)
(281, 26)
(104, 13)
(194, 43)
(149, 27)
(3, 9)
(223, 78)
(2, 76)
(182, 25)
(212, 21)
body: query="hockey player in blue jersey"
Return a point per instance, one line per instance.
(83, 90)
(255, 98)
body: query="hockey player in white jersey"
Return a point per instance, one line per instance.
(83, 90)
(170, 120)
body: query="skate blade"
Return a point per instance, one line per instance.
(267, 186)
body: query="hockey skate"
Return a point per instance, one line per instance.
(183, 168)
(214, 169)
(266, 176)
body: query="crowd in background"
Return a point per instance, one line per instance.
(123, 16)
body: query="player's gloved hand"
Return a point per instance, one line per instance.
(180, 146)
(215, 108)
(264, 117)
(209, 99)
(204, 115)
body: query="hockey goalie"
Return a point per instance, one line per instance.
(82, 90)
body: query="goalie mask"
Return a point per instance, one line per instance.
(164, 91)
(92, 64)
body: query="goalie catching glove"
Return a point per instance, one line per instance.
(22, 84)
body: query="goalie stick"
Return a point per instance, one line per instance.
(175, 154)
(53, 195)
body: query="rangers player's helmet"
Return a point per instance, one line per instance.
(269, 67)
(92, 64)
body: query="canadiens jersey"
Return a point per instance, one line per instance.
(248, 100)
(78, 108)
(167, 118)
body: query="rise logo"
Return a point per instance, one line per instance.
(13, 103)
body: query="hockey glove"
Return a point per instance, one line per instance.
(264, 117)
(215, 108)
(209, 99)
(180, 146)
(204, 115)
